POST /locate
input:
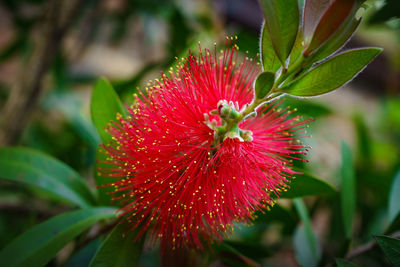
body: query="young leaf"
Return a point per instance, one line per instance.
(313, 11)
(332, 73)
(264, 83)
(38, 245)
(104, 107)
(269, 60)
(306, 244)
(307, 185)
(344, 263)
(330, 22)
(348, 190)
(391, 248)
(282, 21)
(118, 249)
(34, 168)
(394, 198)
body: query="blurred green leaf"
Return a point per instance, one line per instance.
(252, 250)
(270, 61)
(307, 107)
(297, 48)
(84, 256)
(305, 241)
(348, 189)
(390, 9)
(119, 249)
(231, 256)
(344, 263)
(264, 83)
(39, 170)
(69, 105)
(40, 244)
(104, 107)
(364, 140)
(332, 73)
(307, 185)
(394, 198)
(391, 248)
(282, 18)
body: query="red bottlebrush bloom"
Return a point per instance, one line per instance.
(182, 175)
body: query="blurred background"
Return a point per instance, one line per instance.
(52, 52)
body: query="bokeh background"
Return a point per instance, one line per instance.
(52, 52)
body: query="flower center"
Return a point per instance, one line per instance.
(225, 122)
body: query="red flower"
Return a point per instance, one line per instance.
(182, 178)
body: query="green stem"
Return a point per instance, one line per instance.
(295, 67)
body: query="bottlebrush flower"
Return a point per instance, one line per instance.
(181, 173)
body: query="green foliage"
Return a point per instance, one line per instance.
(36, 169)
(307, 185)
(269, 60)
(344, 263)
(119, 249)
(305, 241)
(264, 83)
(391, 248)
(282, 21)
(105, 107)
(394, 198)
(348, 190)
(40, 244)
(332, 73)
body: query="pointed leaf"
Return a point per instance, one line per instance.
(391, 248)
(344, 263)
(348, 190)
(36, 169)
(330, 22)
(332, 73)
(104, 107)
(269, 60)
(119, 249)
(41, 243)
(394, 198)
(307, 185)
(264, 83)
(282, 21)
(305, 241)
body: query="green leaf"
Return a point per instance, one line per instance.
(307, 185)
(269, 60)
(264, 83)
(41, 243)
(332, 73)
(305, 241)
(119, 249)
(391, 248)
(394, 198)
(39, 170)
(282, 21)
(104, 107)
(344, 263)
(348, 189)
